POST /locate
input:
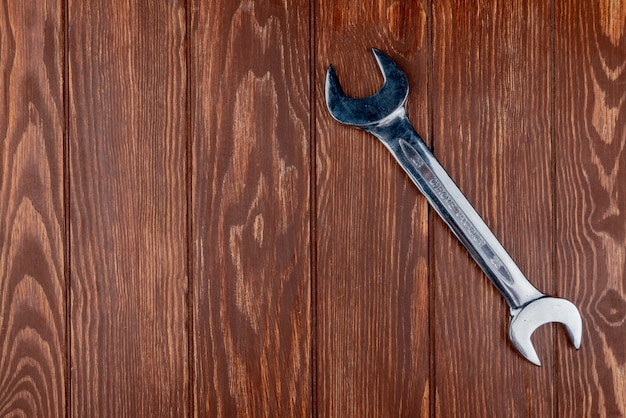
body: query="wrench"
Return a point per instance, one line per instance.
(383, 115)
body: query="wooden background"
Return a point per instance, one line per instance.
(184, 231)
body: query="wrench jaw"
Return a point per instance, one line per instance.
(376, 109)
(538, 312)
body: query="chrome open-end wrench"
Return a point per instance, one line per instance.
(384, 116)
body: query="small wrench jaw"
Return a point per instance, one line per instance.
(538, 312)
(370, 111)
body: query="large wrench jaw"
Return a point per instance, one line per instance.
(526, 320)
(373, 110)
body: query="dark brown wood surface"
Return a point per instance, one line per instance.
(250, 231)
(128, 206)
(33, 349)
(185, 231)
(590, 137)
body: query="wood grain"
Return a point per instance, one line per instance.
(590, 92)
(127, 78)
(250, 122)
(233, 251)
(492, 132)
(372, 287)
(32, 283)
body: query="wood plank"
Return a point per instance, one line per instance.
(250, 110)
(590, 80)
(32, 213)
(128, 208)
(372, 285)
(492, 132)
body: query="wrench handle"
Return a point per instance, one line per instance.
(449, 202)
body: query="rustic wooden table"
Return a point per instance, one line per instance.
(184, 230)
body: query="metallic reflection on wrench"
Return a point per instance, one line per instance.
(384, 116)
